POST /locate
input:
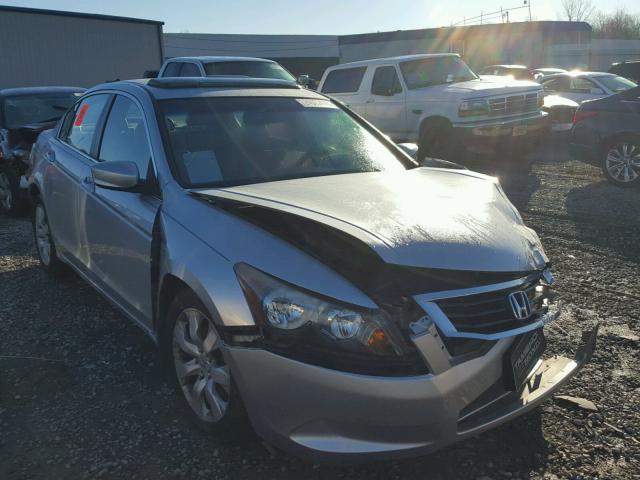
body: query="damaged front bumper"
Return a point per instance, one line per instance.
(328, 415)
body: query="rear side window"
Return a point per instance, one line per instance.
(345, 80)
(386, 82)
(80, 132)
(125, 136)
(560, 84)
(172, 70)
(189, 70)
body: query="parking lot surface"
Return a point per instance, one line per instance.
(81, 395)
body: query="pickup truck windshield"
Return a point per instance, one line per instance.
(426, 72)
(248, 69)
(217, 142)
(28, 109)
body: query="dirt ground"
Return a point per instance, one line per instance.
(81, 395)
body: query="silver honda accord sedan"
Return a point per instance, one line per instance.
(295, 266)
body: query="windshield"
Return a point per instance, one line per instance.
(249, 69)
(435, 71)
(616, 84)
(27, 109)
(236, 141)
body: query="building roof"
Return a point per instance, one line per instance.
(61, 13)
(544, 27)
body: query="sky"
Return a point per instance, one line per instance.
(336, 17)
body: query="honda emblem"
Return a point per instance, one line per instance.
(520, 305)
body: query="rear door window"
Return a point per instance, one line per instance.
(346, 80)
(560, 84)
(190, 70)
(386, 82)
(125, 136)
(172, 69)
(581, 85)
(80, 132)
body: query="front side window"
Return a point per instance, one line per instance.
(81, 131)
(429, 71)
(235, 141)
(190, 70)
(125, 137)
(346, 80)
(616, 84)
(386, 82)
(248, 69)
(32, 109)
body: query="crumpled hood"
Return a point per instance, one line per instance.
(494, 85)
(424, 217)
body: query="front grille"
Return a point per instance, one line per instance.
(523, 103)
(490, 312)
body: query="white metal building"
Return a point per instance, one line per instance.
(48, 47)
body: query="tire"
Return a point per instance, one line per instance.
(10, 201)
(437, 141)
(621, 161)
(196, 367)
(45, 246)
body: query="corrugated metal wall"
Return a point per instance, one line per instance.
(48, 49)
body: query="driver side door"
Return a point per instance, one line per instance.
(386, 103)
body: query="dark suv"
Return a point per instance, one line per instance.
(24, 113)
(629, 69)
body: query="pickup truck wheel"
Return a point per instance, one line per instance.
(621, 162)
(45, 246)
(192, 347)
(10, 192)
(437, 141)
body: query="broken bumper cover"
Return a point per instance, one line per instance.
(328, 415)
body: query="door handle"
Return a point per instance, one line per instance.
(371, 100)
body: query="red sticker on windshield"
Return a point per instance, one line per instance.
(80, 116)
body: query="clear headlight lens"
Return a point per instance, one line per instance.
(473, 107)
(308, 317)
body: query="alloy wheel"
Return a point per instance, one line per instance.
(6, 196)
(43, 237)
(202, 373)
(623, 162)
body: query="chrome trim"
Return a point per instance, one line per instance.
(435, 313)
(463, 292)
(449, 330)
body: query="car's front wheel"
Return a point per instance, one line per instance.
(621, 162)
(198, 366)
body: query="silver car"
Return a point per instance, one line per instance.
(287, 257)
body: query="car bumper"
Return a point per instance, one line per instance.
(333, 416)
(507, 131)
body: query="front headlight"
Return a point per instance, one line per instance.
(473, 107)
(292, 316)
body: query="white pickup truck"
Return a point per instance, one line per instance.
(437, 101)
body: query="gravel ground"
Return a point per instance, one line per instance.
(81, 395)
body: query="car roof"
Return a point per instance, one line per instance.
(15, 92)
(218, 59)
(401, 58)
(580, 74)
(509, 66)
(188, 87)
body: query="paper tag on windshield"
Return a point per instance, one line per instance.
(315, 103)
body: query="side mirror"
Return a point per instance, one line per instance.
(597, 91)
(116, 175)
(304, 80)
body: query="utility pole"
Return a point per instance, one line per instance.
(528, 3)
(481, 18)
